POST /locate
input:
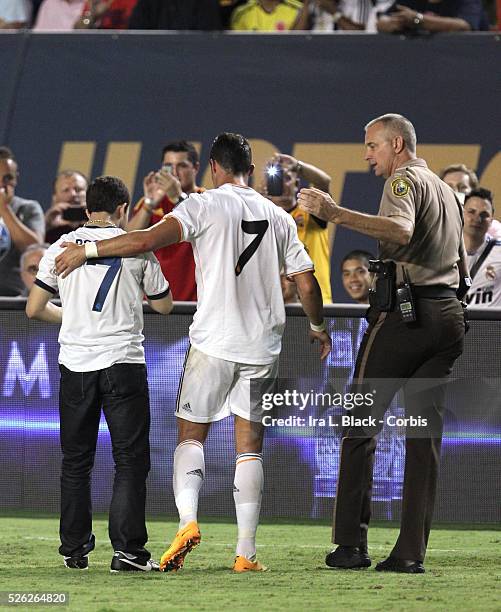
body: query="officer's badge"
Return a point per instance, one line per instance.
(400, 187)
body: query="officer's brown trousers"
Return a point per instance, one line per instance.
(392, 353)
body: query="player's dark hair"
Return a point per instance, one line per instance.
(483, 194)
(363, 256)
(6, 153)
(232, 152)
(106, 193)
(182, 146)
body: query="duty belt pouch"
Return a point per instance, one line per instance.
(382, 297)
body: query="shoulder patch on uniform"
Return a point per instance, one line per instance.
(400, 187)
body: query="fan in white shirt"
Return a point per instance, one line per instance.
(241, 242)
(102, 369)
(485, 290)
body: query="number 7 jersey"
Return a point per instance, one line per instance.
(241, 244)
(102, 303)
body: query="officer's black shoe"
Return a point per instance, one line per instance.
(80, 563)
(348, 557)
(403, 566)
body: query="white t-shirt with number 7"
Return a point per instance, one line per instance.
(102, 303)
(241, 243)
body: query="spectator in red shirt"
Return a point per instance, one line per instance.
(163, 190)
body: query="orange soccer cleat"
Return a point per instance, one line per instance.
(242, 564)
(186, 539)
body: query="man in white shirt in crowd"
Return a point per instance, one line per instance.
(241, 242)
(339, 15)
(483, 251)
(102, 366)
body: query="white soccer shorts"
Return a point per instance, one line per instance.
(211, 389)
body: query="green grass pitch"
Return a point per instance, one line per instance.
(463, 571)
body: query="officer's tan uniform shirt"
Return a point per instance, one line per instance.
(416, 193)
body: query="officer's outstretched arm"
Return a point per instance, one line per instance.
(397, 229)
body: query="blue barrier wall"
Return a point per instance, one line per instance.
(107, 103)
(301, 463)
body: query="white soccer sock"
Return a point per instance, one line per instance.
(188, 476)
(247, 493)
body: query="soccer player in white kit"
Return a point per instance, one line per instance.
(102, 366)
(241, 243)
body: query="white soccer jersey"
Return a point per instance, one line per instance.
(102, 303)
(485, 290)
(241, 241)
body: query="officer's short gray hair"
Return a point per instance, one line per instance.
(397, 125)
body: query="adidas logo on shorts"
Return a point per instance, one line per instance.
(187, 407)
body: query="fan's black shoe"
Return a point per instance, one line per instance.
(403, 566)
(125, 562)
(348, 557)
(364, 555)
(80, 563)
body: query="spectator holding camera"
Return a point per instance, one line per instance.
(433, 16)
(67, 211)
(21, 224)
(283, 176)
(163, 191)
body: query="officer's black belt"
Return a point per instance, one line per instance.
(433, 291)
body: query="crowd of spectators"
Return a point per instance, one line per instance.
(403, 16)
(25, 232)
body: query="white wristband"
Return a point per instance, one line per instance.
(317, 328)
(91, 250)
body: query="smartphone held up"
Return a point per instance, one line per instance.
(275, 180)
